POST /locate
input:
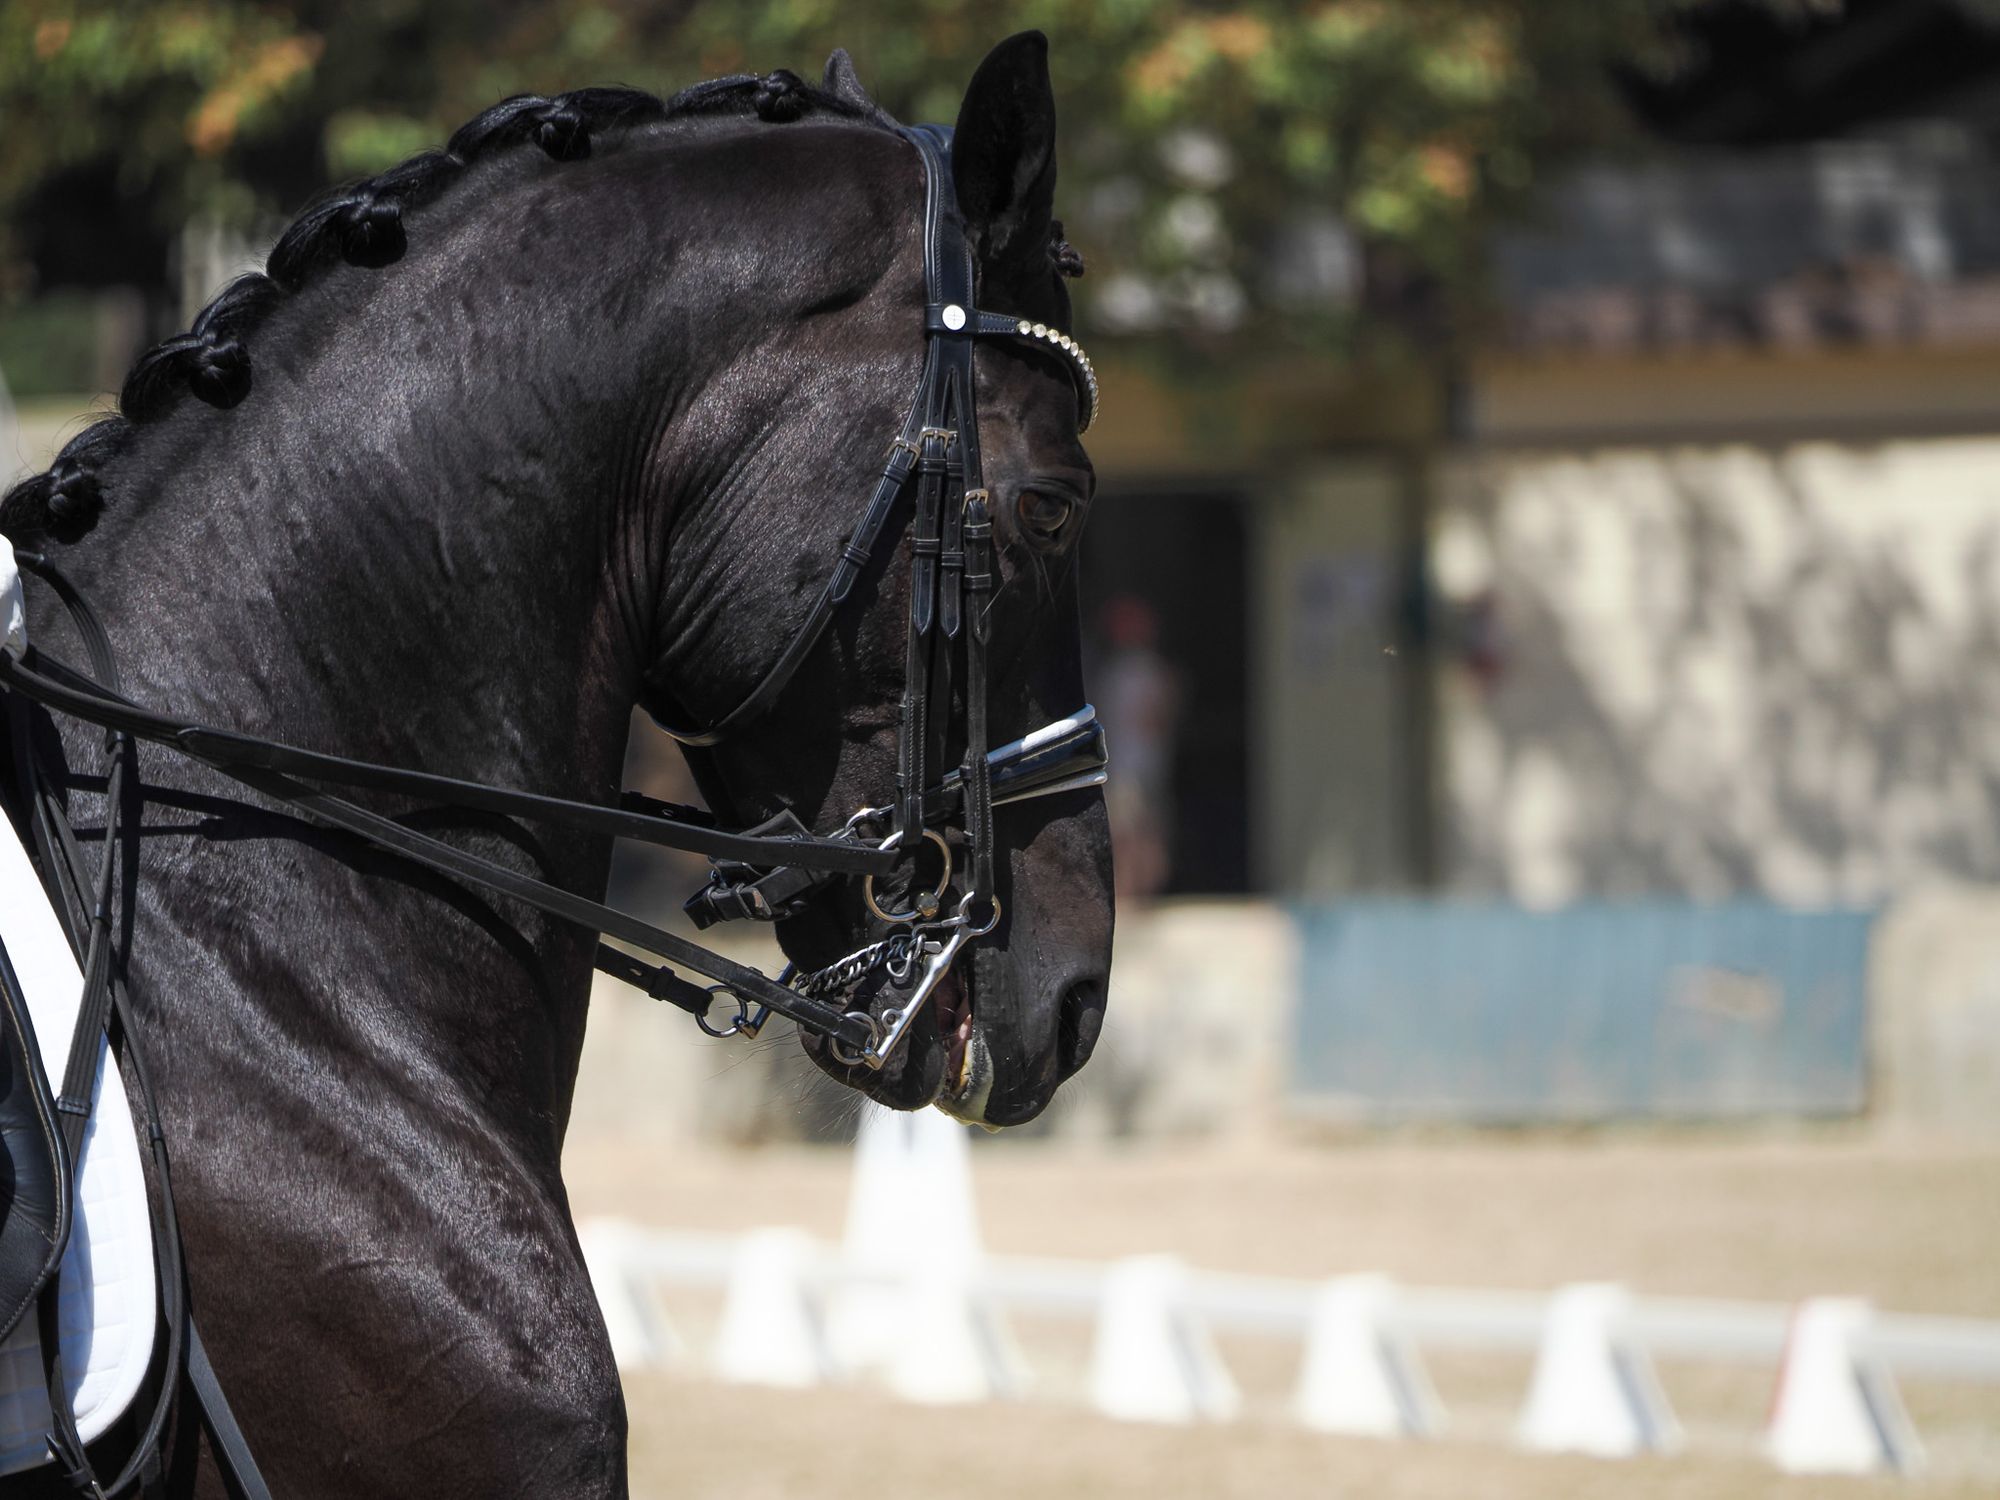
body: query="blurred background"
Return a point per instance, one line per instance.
(1544, 593)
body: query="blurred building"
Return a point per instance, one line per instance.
(1680, 587)
(1620, 706)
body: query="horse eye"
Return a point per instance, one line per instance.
(1044, 516)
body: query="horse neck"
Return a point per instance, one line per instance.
(402, 545)
(437, 530)
(409, 544)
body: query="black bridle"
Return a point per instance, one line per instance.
(766, 872)
(952, 578)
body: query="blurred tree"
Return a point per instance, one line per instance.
(1291, 171)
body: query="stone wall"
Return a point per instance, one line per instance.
(1722, 670)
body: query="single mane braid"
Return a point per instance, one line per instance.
(362, 225)
(210, 359)
(781, 96)
(64, 501)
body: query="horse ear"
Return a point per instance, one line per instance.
(1003, 153)
(844, 83)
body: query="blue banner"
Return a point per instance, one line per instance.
(1446, 1011)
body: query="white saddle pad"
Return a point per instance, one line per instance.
(107, 1311)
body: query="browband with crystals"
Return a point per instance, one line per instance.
(1080, 368)
(951, 318)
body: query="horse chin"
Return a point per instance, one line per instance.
(931, 1066)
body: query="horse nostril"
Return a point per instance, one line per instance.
(1082, 1020)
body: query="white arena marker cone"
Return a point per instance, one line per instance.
(1361, 1376)
(910, 1211)
(1153, 1360)
(949, 1346)
(770, 1332)
(640, 1334)
(1594, 1390)
(1834, 1412)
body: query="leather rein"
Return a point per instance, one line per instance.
(765, 873)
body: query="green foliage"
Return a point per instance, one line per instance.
(48, 347)
(1226, 166)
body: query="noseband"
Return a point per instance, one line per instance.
(767, 872)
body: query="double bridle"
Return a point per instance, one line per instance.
(767, 872)
(952, 578)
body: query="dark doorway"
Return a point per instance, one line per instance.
(1175, 564)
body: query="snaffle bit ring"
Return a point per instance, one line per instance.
(929, 902)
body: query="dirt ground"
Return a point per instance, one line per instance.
(1911, 1224)
(717, 1444)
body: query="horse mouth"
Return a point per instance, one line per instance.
(942, 1060)
(953, 1001)
(968, 1070)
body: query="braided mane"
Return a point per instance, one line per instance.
(362, 225)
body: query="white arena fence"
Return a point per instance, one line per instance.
(797, 1312)
(911, 1299)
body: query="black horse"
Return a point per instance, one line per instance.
(573, 416)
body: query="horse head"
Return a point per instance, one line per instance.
(1021, 1008)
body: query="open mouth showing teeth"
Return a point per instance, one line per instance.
(954, 1017)
(950, 1066)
